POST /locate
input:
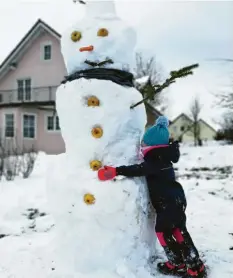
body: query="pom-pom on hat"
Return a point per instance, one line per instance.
(157, 134)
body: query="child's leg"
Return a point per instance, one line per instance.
(188, 248)
(175, 264)
(170, 246)
(190, 254)
(167, 219)
(195, 266)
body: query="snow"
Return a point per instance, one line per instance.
(119, 214)
(97, 10)
(120, 211)
(118, 45)
(207, 156)
(142, 80)
(49, 231)
(25, 252)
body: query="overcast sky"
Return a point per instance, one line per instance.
(178, 33)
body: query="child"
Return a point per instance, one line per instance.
(167, 197)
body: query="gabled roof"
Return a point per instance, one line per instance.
(205, 123)
(189, 119)
(152, 109)
(180, 116)
(28, 38)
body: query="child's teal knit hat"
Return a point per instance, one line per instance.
(157, 134)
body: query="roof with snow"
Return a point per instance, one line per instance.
(37, 29)
(190, 120)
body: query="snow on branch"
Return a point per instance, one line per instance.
(174, 75)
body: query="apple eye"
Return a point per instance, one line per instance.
(103, 32)
(76, 36)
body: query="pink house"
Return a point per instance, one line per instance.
(29, 77)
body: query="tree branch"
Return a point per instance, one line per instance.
(174, 75)
(108, 61)
(80, 1)
(95, 64)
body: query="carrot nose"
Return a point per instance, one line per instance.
(86, 48)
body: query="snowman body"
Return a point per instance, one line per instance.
(110, 233)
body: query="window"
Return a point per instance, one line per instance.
(47, 52)
(182, 128)
(29, 126)
(24, 89)
(175, 128)
(9, 125)
(57, 123)
(53, 123)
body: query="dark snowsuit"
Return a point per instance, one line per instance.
(168, 198)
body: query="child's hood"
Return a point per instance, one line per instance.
(169, 152)
(146, 149)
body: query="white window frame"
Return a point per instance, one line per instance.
(10, 112)
(54, 123)
(42, 51)
(24, 99)
(22, 124)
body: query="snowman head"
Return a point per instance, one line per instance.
(100, 39)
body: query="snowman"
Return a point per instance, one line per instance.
(101, 229)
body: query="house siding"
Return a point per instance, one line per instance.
(43, 74)
(46, 141)
(206, 132)
(8, 110)
(175, 129)
(152, 115)
(50, 142)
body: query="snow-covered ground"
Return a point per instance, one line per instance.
(206, 174)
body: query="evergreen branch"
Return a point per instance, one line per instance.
(183, 72)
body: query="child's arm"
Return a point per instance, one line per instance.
(136, 170)
(174, 151)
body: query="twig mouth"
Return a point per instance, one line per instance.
(98, 64)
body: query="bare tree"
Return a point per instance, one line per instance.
(225, 98)
(150, 69)
(79, 1)
(15, 159)
(28, 162)
(226, 132)
(227, 60)
(195, 110)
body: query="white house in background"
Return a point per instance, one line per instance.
(181, 129)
